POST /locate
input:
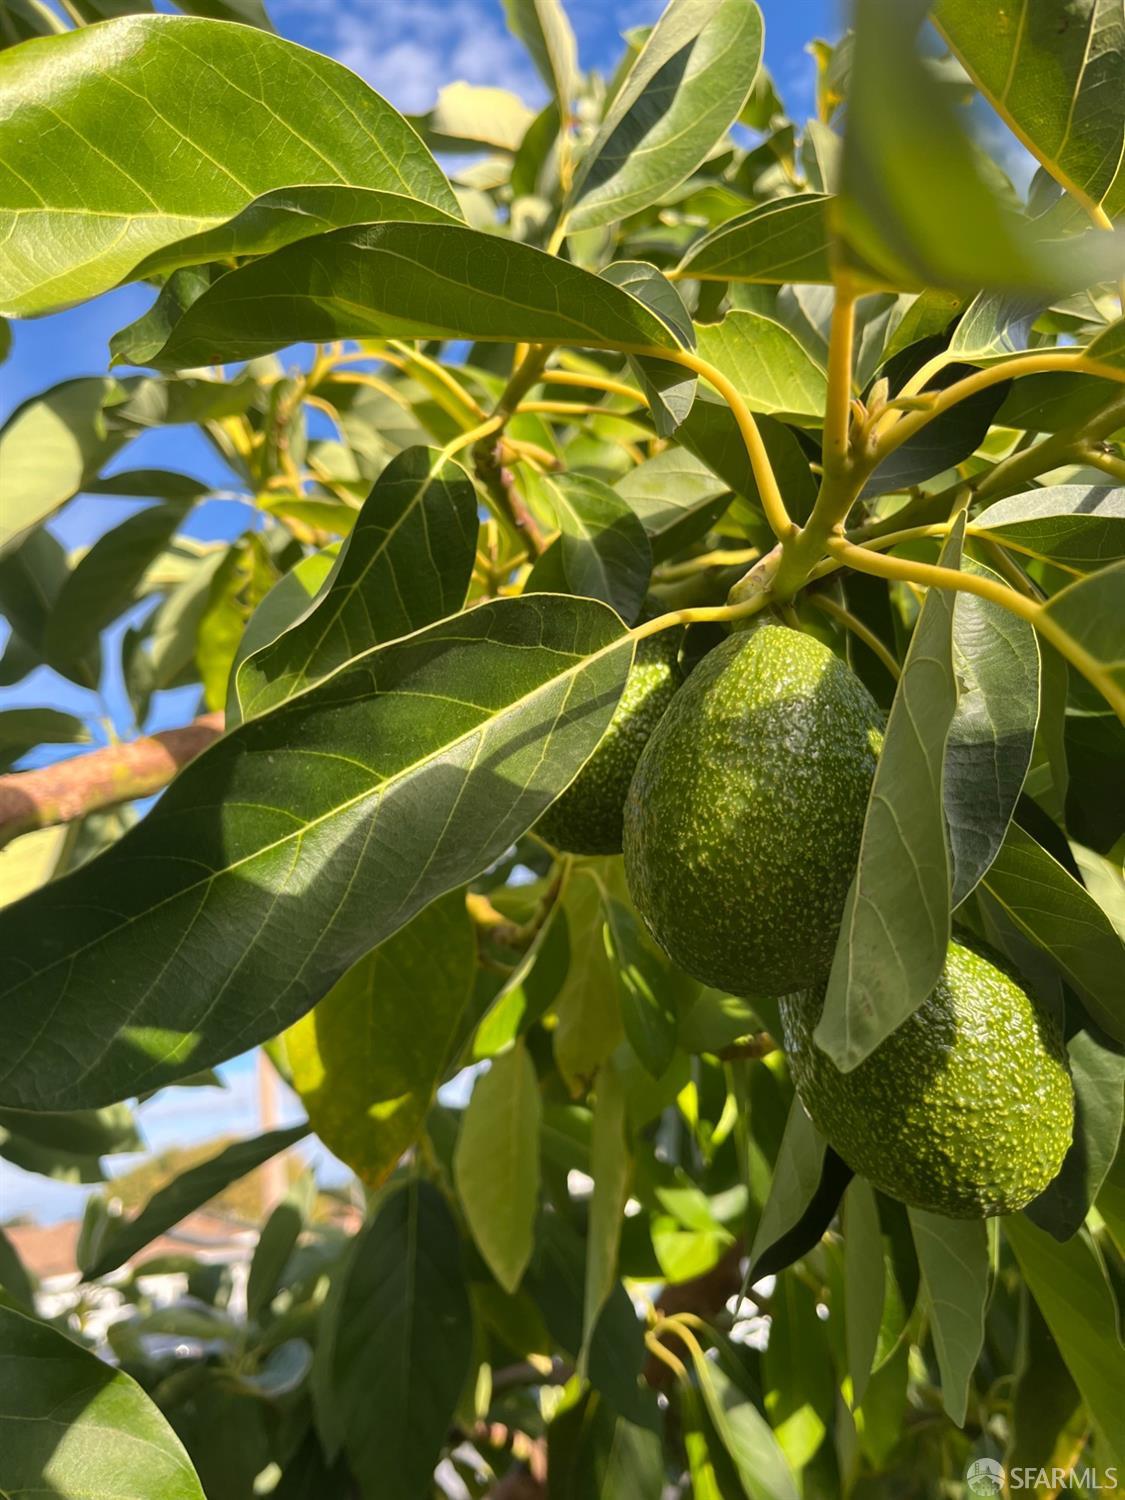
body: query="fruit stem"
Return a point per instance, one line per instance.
(769, 493)
(701, 615)
(928, 575)
(837, 414)
(911, 422)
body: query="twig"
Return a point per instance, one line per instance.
(104, 778)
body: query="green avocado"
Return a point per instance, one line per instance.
(967, 1109)
(743, 821)
(586, 819)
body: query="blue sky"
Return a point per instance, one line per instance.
(407, 49)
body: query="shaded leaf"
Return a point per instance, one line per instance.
(406, 561)
(1059, 916)
(1069, 1283)
(676, 498)
(743, 1432)
(602, 551)
(542, 26)
(496, 1164)
(589, 1022)
(712, 434)
(1097, 1067)
(191, 1190)
(49, 445)
(863, 1282)
(299, 841)
(403, 1343)
(670, 388)
(365, 1061)
(611, 1168)
(1081, 526)
(896, 925)
(953, 1256)
(992, 733)
(401, 281)
(808, 1182)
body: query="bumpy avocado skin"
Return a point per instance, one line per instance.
(743, 821)
(586, 819)
(967, 1109)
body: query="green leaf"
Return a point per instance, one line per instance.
(1080, 526)
(21, 729)
(403, 1343)
(649, 989)
(808, 1182)
(992, 733)
(104, 583)
(1048, 1419)
(276, 1244)
(1097, 1067)
(1061, 88)
(297, 842)
(496, 1164)
(32, 575)
(772, 371)
(288, 214)
(670, 388)
(15, 1281)
(366, 1063)
(785, 240)
(915, 204)
(953, 1255)
(594, 1451)
(687, 86)
(1049, 907)
(676, 498)
(191, 1190)
(797, 1378)
(542, 26)
(744, 1432)
(284, 605)
(896, 925)
(712, 434)
(602, 551)
(1069, 1283)
(49, 1161)
(1089, 616)
(863, 1282)
(49, 445)
(402, 281)
(155, 155)
(611, 1167)
(407, 561)
(589, 1023)
(72, 1426)
(943, 443)
(85, 1132)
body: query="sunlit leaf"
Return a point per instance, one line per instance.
(73, 1425)
(149, 161)
(690, 81)
(786, 239)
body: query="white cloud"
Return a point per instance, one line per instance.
(409, 49)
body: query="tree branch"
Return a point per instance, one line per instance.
(104, 778)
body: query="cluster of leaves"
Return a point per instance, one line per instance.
(418, 640)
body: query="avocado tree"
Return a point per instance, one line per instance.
(658, 784)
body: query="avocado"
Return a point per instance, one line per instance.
(586, 818)
(743, 821)
(967, 1109)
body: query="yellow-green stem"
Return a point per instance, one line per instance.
(861, 631)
